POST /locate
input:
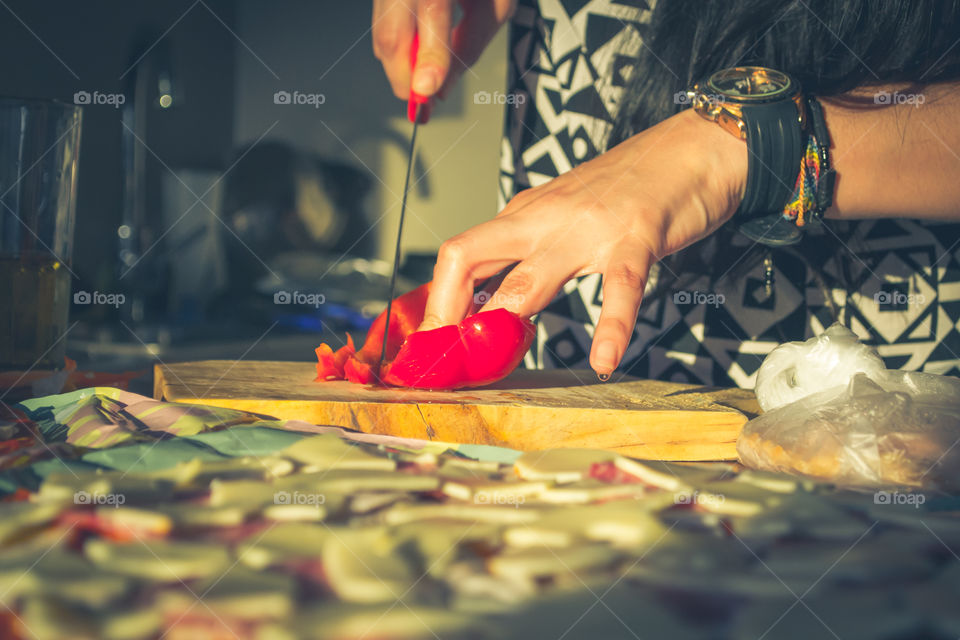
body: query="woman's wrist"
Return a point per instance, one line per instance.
(724, 158)
(690, 177)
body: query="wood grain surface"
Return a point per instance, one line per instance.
(529, 410)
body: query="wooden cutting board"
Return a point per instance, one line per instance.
(529, 410)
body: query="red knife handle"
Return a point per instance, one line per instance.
(416, 99)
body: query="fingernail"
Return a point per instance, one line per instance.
(426, 81)
(606, 360)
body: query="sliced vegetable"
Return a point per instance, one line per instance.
(330, 363)
(481, 349)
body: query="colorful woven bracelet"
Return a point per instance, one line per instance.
(813, 191)
(804, 198)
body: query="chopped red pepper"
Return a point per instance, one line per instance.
(483, 348)
(358, 371)
(330, 363)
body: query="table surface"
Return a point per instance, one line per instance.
(148, 518)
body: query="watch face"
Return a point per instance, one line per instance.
(752, 84)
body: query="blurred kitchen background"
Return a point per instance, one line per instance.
(258, 152)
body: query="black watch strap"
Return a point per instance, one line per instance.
(775, 144)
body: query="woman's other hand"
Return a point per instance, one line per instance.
(617, 214)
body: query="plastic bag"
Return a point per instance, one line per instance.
(796, 369)
(854, 425)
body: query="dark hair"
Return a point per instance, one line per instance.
(830, 46)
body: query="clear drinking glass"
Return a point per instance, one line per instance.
(39, 141)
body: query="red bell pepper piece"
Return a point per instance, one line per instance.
(358, 371)
(330, 363)
(362, 366)
(483, 348)
(406, 314)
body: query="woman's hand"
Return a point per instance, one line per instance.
(617, 214)
(445, 50)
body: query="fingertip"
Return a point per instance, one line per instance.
(605, 358)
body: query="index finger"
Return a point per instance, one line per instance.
(624, 280)
(463, 260)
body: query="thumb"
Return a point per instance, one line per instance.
(434, 20)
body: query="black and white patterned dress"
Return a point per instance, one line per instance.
(569, 60)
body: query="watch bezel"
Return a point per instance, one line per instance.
(726, 109)
(789, 87)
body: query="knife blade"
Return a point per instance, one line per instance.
(418, 110)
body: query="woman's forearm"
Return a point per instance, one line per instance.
(901, 160)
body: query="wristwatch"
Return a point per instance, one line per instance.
(766, 108)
